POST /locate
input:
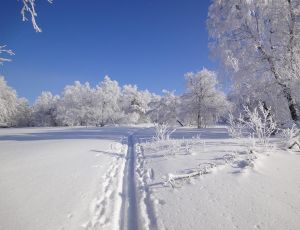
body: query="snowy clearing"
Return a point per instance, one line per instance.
(118, 178)
(217, 183)
(60, 178)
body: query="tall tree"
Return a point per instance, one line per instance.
(45, 110)
(202, 100)
(8, 103)
(166, 109)
(14, 111)
(258, 40)
(107, 110)
(75, 105)
(135, 103)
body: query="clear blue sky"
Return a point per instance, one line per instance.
(151, 43)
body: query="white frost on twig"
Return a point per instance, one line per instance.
(6, 51)
(29, 7)
(228, 159)
(204, 169)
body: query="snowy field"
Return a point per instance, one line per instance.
(118, 178)
(60, 178)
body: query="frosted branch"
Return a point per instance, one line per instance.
(29, 8)
(5, 51)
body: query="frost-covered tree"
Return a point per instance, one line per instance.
(106, 107)
(135, 103)
(166, 109)
(75, 105)
(14, 111)
(258, 41)
(45, 110)
(8, 103)
(202, 102)
(23, 116)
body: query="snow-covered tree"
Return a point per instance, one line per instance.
(75, 105)
(8, 103)
(135, 103)
(23, 116)
(202, 102)
(106, 107)
(45, 110)
(258, 41)
(14, 111)
(166, 109)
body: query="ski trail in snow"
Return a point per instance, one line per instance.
(129, 216)
(145, 202)
(136, 208)
(125, 201)
(105, 209)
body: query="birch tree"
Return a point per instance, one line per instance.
(259, 41)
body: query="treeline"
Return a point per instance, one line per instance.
(108, 103)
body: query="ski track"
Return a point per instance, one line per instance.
(144, 199)
(106, 209)
(125, 201)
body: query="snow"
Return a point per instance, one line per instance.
(118, 178)
(58, 178)
(231, 194)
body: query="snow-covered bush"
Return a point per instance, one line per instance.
(290, 137)
(259, 123)
(289, 134)
(162, 132)
(235, 128)
(172, 147)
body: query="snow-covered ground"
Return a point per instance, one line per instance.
(236, 189)
(60, 178)
(117, 178)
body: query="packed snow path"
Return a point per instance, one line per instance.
(129, 216)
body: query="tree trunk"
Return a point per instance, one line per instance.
(198, 121)
(285, 89)
(291, 103)
(180, 123)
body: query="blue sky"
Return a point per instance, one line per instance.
(151, 43)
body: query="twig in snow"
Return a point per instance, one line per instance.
(296, 143)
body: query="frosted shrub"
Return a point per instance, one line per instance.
(290, 133)
(235, 127)
(162, 132)
(258, 122)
